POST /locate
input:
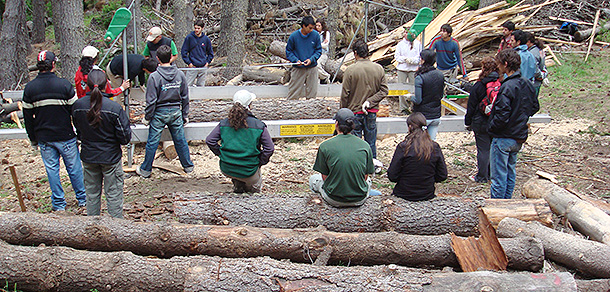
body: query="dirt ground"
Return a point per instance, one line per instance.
(563, 147)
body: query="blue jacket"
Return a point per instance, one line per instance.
(197, 50)
(529, 67)
(302, 47)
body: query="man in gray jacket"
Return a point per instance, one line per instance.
(167, 103)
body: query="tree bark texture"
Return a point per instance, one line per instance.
(332, 21)
(39, 14)
(233, 35)
(266, 74)
(597, 285)
(380, 213)
(65, 269)
(137, 16)
(183, 25)
(68, 22)
(585, 217)
(300, 245)
(255, 7)
(587, 256)
(278, 48)
(14, 52)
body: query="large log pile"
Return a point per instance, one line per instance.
(66, 269)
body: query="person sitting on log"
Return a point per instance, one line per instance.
(344, 163)
(243, 144)
(417, 164)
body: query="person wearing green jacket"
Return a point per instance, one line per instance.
(243, 144)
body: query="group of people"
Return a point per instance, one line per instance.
(344, 163)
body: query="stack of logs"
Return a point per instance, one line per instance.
(286, 243)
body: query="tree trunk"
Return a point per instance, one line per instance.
(303, 245)
(14, 52)
(134, 38)
(255, 7)
(332, 21)
(278, 48)
(585, 217)
(485, 3)
(68, 22)
(233, 35)
(582, 35)
(379, 213)
(39, 13)
(183, 24)
(266, 74)
(66, 269)
(586, 256)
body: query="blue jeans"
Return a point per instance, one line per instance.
(433, 127)
(68, 150)
(368, 124)
(172, 117)
(503, 157)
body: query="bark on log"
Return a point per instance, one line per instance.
(66, 269)
(303, 245)
(278, 48)
(582, 35)
(598, 285)
(265, 74)
(585, 217)
(586, 256)
(380, 213)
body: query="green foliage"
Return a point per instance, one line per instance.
(472, 4)
(104, 17)
(4, 125)
(604, 36)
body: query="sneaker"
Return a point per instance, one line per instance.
(378, 165)
(141, 172)
(473, 178)
(189, 169)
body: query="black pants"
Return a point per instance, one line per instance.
(483, 142)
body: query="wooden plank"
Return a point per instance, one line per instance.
(570, 20)
(548, 49)
(169, 167)
(483, 253)
(592, 35)
(558, 41)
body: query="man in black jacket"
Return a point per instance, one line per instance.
(515, 103)
(47, 104)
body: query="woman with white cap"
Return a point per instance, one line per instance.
(87, 63)
(243, 144)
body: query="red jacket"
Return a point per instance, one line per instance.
(80, 82)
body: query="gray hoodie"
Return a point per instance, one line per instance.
(166, 87)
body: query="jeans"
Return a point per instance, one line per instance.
(503, 162)
(368, 124)
(111, 176)
(433, 127)
(172, 117)
(316, 182)
(68, 150)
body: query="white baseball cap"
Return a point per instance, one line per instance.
(153, 33)
(90, 51)
(244, 97)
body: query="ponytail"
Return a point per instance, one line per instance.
(418, 137)
(237, 116)
(96, 82)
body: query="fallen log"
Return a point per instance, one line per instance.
(266, 74)
(169, 149)
(302, 245)
(380, 213)
(278, 48)
(65, 269)
(585, 217)
(526, 210)
(586, 256)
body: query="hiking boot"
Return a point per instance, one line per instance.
(142, 173)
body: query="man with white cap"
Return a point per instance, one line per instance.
(344, 163)
(156, 39)
(243, 144)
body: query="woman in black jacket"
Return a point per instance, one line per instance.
(429, 90)
(417, 164)
(477, 121)
(102, 126)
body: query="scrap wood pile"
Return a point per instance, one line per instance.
(294, 242)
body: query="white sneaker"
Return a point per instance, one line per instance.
(378, 165)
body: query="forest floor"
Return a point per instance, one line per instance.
(575, 146)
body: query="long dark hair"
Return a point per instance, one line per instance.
(237, 116)
(86, 64)
(96, 80)
(418, 137)
(429, 58)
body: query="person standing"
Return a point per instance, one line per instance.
(407, 57)
(304, 48)
(102, 126)
(47, 113)
(197, 52)
(167, 104)
(364, 87)
(88, 62)
(448, 55)
(429, 88)
(535, 46)
(476, 120)
(417, 164)
(528, 66)
(515, 103)
(344, 163)
(155, 40)
(507, 29)
(324, 40)
(243, 144)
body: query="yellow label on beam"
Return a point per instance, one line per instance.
(398, 92)
(314, 129)
(448, 106)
